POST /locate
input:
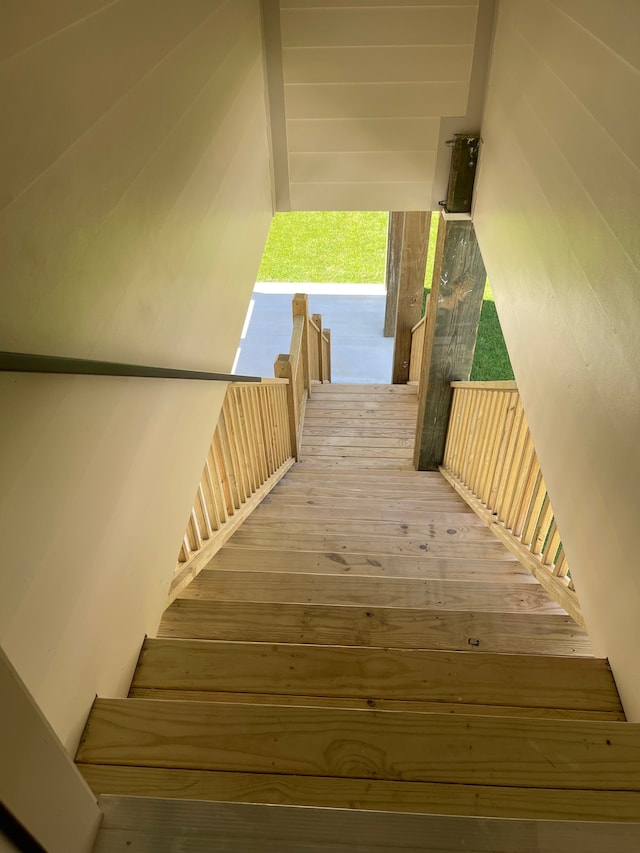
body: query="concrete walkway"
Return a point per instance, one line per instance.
(353, 312)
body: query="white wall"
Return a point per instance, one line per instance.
(136, 198)
(558, 219)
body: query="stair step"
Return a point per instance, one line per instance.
(419, 594)
(490, 549)
(400, 746)
(374, 674)
(280, 507)
(367, 565)
(150, 823)
(388, 627)
(467, 530)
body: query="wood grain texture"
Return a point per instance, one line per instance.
(419, 594)
(374, 626)
(389, 565)
(416, 707)
(410, 675)
(416, 797)
(450, 334)
(412, 262)
(523, 752)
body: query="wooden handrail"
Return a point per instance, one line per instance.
(249, 453)
(25, 362)
(491, 462)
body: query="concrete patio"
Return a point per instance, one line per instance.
(353, 312)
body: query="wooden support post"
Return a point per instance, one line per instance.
(300, 308)
(327, 365)
(317, 319)
(413, 262)
(392, 270)
(451, 330)
(282, 369)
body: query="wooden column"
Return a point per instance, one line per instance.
(413, 262)
(450, 335)
(392, 270)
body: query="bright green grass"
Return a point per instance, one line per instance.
(334, 246)
(351, 247)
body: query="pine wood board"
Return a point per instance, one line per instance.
(329, 390)
(373, 674)
(359, 511)
(408, 479)
(324, 496)
(360, 441)
(354, 451)
(418, 594)
(354, 462)
(380, 795)
(388, 627)
(331, 397)
(445, 748)
(422, 530)
(362, 544)
(404, 415)
(265, 560)
(371, 432)
(327, 423)
(387, 705)
(365, 404)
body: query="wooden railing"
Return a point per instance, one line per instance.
(417, 348)
(255, 442)
(491, 462)
(308, 361)
(249, 453)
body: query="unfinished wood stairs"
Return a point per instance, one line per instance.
(363, 642)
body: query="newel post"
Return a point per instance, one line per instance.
(300, 308)
(282, 369)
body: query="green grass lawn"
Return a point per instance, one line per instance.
(351, 247)
(334, 246)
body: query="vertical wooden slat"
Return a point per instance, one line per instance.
(317, 319)
(210, 495)
(221, 491)
(542, 527)
(230, 454)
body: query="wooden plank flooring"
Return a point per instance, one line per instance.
(364, 642)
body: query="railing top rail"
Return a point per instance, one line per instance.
(262, 381)
(418, 324)
(505, 385)
(22, 362)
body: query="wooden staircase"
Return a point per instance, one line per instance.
(363, 642)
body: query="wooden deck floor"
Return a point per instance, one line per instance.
(363, 641)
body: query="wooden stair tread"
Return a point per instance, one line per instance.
(373, 673)
(382, 795)
(364, 641)
(211, 585)
(351, 625)
(446, 748)
(390, 565)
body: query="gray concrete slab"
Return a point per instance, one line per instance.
(354, 313)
